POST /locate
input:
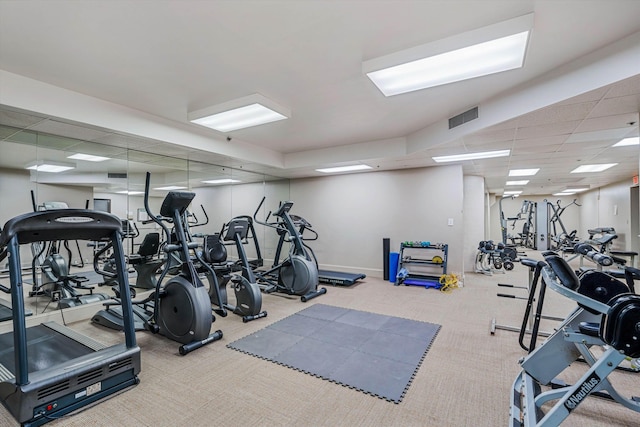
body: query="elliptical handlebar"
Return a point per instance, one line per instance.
(266, 222)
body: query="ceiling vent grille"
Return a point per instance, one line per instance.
(117, 175)
(463, 118)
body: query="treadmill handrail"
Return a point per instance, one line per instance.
(70, 224)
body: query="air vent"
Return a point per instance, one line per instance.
(117, 175)
(53, 389)
(463, 118)
(89, 376)
(119, 364)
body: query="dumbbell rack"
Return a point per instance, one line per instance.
(428, 261)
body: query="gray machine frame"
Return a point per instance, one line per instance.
(57, 389)
(559, 351)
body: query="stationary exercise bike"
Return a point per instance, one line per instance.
(180, 308)
(297, 274)
(247, 292)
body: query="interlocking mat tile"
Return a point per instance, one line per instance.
(372, 353)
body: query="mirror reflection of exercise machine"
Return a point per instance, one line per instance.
(50, 271)
(6, 312)
(48, 371)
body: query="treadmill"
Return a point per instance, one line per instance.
(339, 278)
(6, 313)
(48, 371)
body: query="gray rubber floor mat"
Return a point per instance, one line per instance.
(369, 352)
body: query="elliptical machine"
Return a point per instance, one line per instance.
(297, 274)
(178, 309)
(245, 287)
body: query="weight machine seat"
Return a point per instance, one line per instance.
(624, 253)
(606, 238)
(148, 248)
(528, 262)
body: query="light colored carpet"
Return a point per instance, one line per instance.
(465, 380)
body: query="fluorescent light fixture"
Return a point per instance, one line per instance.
(472, 156)
(564, 193)
(221, 181)
(130, 192)
(88, 157)
(522, 182)
(512, 193)
(523, 172)
(240, 113)
(488, 50)
(593, 168)
(344, 169)
(627, 141)
(50, 167)
(170, 188)
(575, 190)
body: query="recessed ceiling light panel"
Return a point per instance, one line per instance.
(240, 113)
(481, 52)
(627, 141)
(521, 182)
(593, 168)
(523, 172)
(471, 156)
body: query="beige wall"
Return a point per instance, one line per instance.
(609, 207)
(353, 213)
(474, 219)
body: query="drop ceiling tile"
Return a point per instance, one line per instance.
(557, 114)
(490, 136)
(19, 120)
(594, 95)
(55, 127)
(553, 129)
(619, 105)
(625, 87)
(613, 126)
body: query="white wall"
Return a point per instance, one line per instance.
(474, 219)
(609, 207)
(353, 213)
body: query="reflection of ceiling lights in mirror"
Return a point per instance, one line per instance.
(344, 169)
(49, 167)
(240, 113)
(170, 188)
(88, 157)
(221, 181)
(130, 192)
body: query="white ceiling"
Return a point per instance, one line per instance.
(126, 73)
